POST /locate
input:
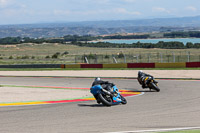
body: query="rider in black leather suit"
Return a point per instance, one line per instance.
(98, 81)
(141, 78)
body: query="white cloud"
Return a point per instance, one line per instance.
(17, 12)
(130, 1)
(191, 8)
(103, 1)
(3, 3)
(160, 9)
(12, 4)
(61, 12)
(96, 12)
(12, 8)
(124, 11)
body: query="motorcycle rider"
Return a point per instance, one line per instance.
(104, 84)
(98, 81)
(141, 78)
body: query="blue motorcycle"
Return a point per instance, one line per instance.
(107, 94)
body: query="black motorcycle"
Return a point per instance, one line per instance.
(150, 82)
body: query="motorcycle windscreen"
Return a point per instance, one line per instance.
(115, 89)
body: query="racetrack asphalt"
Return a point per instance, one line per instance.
(176, 105)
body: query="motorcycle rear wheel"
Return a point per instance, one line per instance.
(105, 101)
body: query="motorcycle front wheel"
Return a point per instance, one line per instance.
(123, 100)
(107, 101)
(155, 87)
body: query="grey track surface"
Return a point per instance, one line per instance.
(177, 105)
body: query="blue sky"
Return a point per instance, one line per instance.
(35, 11)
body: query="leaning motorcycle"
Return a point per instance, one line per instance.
(108, 96)
(151, 83)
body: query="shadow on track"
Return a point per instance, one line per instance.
(145, 91)
(91, 105)
(142, 90)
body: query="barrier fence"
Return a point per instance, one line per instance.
(136, 65)
(139, 58)
(117, 65)
(34, 66)
(147, 56)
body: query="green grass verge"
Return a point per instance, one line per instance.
(185, 131)
(69, 69)
(38, 53)
(30, 69)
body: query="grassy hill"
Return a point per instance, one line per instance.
(58, 29)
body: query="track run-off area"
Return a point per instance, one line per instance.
(176, 106)
(23, 102)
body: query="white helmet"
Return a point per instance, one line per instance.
(140, 71)
(97, 79)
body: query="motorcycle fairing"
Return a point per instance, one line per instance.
(95, 89)
(116, 99)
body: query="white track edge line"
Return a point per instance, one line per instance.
(157, 130)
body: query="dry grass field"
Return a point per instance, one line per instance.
(42, 53)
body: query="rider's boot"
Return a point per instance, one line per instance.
(144, 86)
(97, 99)
(98, 102)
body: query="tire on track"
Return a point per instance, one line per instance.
(104, 101)
(124, 101)
(155, 87)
